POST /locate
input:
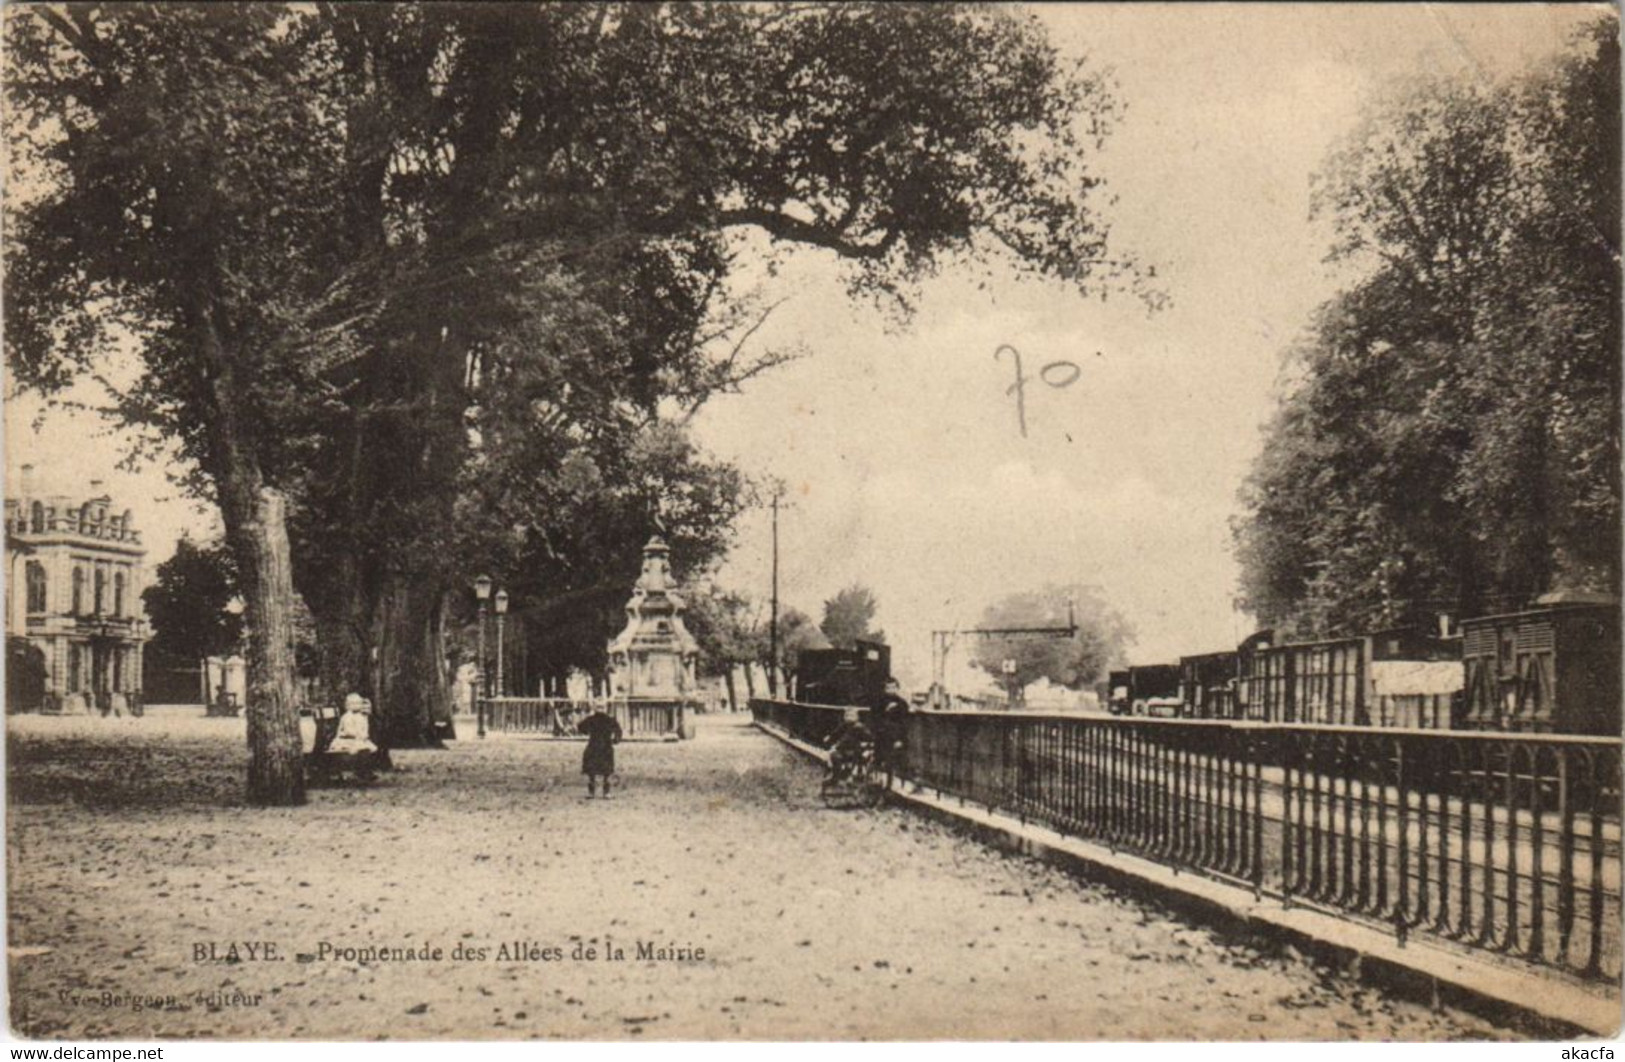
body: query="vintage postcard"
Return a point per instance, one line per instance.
(812, 522)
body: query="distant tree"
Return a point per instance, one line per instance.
(847, 617)
(188, 605)
(722, 625)
(797, 634)
(1074, 662)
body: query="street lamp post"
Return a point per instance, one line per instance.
(773, 612)
(502, 610)
(482, 591)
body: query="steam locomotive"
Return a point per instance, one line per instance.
(846, 677)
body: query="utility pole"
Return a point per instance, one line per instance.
(773, 613)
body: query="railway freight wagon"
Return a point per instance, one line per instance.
(1153, 689)
(1147, 689)
(1553, 669)
(1309, 682)
(1337, 682)
(1207, 685)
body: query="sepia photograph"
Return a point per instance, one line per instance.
(618, 522)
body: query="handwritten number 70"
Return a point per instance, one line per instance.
(1058, 374)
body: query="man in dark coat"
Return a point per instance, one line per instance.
(598, 759)
(889, 721)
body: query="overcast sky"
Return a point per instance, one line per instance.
(907, 467)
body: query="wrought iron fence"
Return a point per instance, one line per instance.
(1506, 842)
(812, 723)
(558, 716)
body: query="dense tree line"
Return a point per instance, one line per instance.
(426, 290)
(1450, 439)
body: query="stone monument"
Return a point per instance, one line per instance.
(654, 656)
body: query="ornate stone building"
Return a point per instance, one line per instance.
(74, 575)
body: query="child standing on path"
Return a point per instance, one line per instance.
(598, 760)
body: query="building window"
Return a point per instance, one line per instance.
(118, 594)
(78, 590)
(37, 517)
(118, 669)
(101, 589)
(36, 586)
(73, 669)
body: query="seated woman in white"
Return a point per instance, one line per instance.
(354, 735)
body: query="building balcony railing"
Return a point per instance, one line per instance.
(24, 530)
(105, 624)
(89, 622)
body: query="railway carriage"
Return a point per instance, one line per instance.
(1553, 669)
(1339, 681)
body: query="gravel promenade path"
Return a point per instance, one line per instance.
(130, 850)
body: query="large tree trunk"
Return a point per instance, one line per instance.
(339, 605)
(344, 667)
(256, 520)
(413, 691)
(259, 537)
(733, 697)
(343, 596)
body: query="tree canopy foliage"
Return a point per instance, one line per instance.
(1450, 441)
(188, 602)
(797, 633)
(1101, 639)
(849, 616)
(724, 626)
